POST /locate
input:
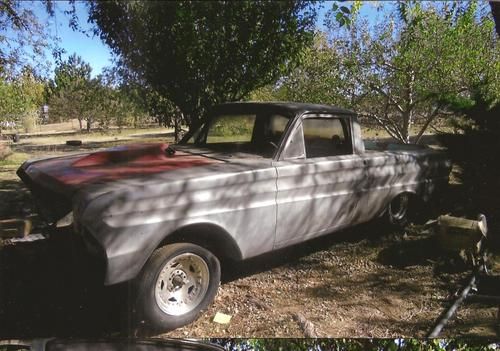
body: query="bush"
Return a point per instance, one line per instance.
(4, 150)
(28, 120)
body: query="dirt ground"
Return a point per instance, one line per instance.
(358, 283)
(369, 281)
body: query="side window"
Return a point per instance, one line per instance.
(325, 137)
(295, 145)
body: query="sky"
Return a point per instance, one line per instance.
(93, 50)
(89, 47)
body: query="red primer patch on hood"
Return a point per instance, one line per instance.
(132, 153)
(118, 163)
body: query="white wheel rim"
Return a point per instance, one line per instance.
(182, 284)
(399, 206)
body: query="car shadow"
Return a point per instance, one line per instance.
(372, 232)
(45, 292)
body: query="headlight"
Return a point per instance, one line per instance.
(65, 221)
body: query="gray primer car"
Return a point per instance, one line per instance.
(253, 178)
(109, 344)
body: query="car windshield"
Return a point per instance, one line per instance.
(258, 134)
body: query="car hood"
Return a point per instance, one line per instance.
(66, 174)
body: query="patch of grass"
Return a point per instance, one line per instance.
(13, 160)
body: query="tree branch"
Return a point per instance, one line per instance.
(6, 6)
(394, 102)
(384, 124)
(428, 121)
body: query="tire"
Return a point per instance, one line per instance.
(398, 211)
(74, 142)
(177, 282)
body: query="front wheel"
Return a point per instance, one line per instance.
(177, 282)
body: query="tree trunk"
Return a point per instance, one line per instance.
(176, 127)
(495, 11)
(80, 122)
(428, 121)
(407, 121)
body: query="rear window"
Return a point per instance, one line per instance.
(231, 128)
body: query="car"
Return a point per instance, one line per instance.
(253, 178)
(109, 344)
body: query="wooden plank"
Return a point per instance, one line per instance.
(456, 234)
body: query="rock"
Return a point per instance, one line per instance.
(306, 325)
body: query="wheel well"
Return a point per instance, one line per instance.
(209, 236)
(413, 196)
(416, 207)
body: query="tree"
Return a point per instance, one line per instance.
(437, 55)
(72, 93)
(197, 54)
(321, 344)
(116, 105)
(23, 38)
(21, 98)
(144, 98)
(402, 73)
(318, 79)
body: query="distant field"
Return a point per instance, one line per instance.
(35, 145)
(97, 136)
(40, 146)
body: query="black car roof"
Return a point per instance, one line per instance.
(288, 108)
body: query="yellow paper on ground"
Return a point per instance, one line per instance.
(222, 318)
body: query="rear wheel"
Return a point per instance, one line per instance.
(177, 282)
(398, 211)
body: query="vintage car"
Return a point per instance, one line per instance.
(109, 344)
(254, 178)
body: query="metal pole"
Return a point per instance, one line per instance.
(446, 315)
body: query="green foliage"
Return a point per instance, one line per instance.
(72, 93)
(21, 98)
(343, 15)
(23, 38)
(29, 120)
(267, 93)
(438, 53)
(197, 54)
(237, 126)
(401, 72)
(319, 78)
(277, 344)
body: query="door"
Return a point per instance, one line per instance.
(318, 178)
